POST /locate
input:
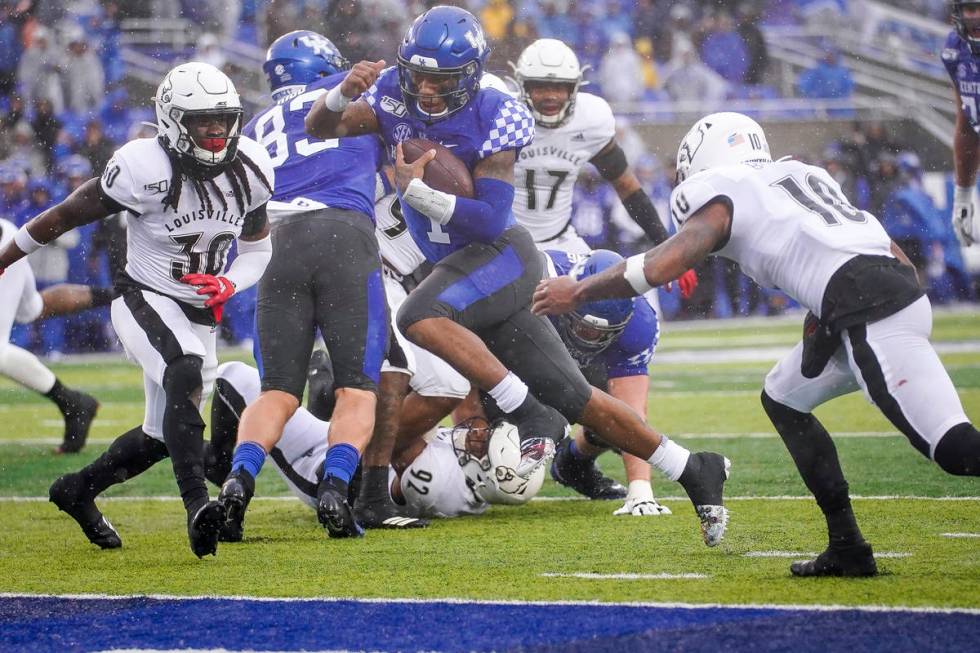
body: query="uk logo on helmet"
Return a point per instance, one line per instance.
(476, 39)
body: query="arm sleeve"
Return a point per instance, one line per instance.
(486, 216)
(644, 213)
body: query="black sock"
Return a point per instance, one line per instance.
(183, 429)
(374, 484)
(131, 454)
(958, 451)
(226, 409)
(63, 397)
(815, 456)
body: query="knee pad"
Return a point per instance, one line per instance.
(958, 451)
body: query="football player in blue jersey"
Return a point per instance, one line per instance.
(961, 57)
(613, 342)
(473, 310)
(325, 275)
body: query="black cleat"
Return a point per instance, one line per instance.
(334, 512)
(704, 480)
(236, 493)
(383, 513)
(320, 395)
(540, 427)
(66, 493)
(583, 476)
(203, 528)
(78, 421)
(854, 560)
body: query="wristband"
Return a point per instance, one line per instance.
(25, 241)
(335, 100)
(963, 194)
(634, 275)
(434, 204)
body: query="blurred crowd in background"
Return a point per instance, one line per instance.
(64, 108)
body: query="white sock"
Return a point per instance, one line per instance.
(510, 393)
(640, 491)
(670, 458)
(24, 367)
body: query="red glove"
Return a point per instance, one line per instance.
(219, 289)
(687, 283)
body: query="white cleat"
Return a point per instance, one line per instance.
(714, 521)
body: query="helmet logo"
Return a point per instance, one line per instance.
(427, 62)
(166, 93)
(736, 139)
(280, 69)
(317, 43)
(476, 39)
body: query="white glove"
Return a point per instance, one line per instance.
(965, 226)
(640, 502)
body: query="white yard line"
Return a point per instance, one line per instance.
(624, 576)
(960, 535)
(464, 601)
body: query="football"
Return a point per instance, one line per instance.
(446, 172)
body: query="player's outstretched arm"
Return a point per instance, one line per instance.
(87, 204)
(966, 157)
(612, 165)
(339, 113)
(700, 235)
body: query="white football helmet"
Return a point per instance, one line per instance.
(490, 472)
(197, 88)
(549, 60)
(721, 139)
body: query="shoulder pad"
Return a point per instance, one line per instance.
(688, 198)
(511, 128)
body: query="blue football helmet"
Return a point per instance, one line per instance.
(445, 45)
(300, 58)
(591, 328)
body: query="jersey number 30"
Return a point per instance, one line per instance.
(210, 262)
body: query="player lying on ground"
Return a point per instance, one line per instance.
(458, 472)
(21, 302)
(191, 192)
(789, 226)
(611, 341)
(473, 309)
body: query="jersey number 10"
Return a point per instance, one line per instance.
(822, 200)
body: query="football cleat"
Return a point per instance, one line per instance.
(66, 493)
(540, 427)
(203, 528)
(236, 493)
(383, 513)
(704, 480)
(78, 421)
(583, 476)
(333, 511)
(855, 560)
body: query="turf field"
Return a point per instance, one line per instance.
(705, 382)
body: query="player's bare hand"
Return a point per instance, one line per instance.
(360, 78)
(555, 296)
(406, 172)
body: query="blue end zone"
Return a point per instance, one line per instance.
(51, 623)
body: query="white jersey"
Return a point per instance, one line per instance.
(397, 247)
(792, 227)
(434, 485)
(162, 244)
(546, 170)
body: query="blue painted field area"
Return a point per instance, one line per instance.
(64, 624)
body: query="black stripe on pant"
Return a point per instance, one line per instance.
(874, 379)
(157, 332)
(305, 486)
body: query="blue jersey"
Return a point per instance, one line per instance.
(336, 172)
(962, 68)
(631, 352)
(491, 122)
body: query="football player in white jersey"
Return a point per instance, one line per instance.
(458, 471)
(21, 302)
(789, 226)
(191, 193)
(574, 128)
